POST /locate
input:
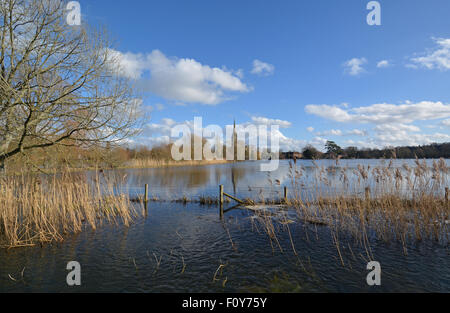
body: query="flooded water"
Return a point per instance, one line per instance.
(188, 248)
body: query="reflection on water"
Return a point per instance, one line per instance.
(174, 182)
(191, 243)
(245, 179)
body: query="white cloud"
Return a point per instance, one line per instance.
(384, 113)
(269, 122)
(356, 132)
(318, 142)
(394, 124)
(262, 68)
(397, 128)
(354, 67)
(383, 64)
(179, 79)
(310, 129)
(439, 58)
(338, 132)
(333, 132)
(127, 64)
(328, 112)
(404, 138)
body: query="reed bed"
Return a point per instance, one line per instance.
(406, 204)
(390, 203)
(42, 209)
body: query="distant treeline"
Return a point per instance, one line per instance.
(432, 151)
(116, 156)
(107, 156)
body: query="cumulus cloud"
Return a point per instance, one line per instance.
(383, 113)
(397, 128)
(328, 112)
(354, 67)
(438, 58)
(269, 122)
(357, 132)
(404, 138)
(393, 123)
(262, 68)
(383, 64)
(332, 132)
(178, 79)
(338, 132)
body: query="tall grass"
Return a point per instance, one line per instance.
(42, 209)
(388, 203)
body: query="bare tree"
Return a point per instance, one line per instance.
(58, 83)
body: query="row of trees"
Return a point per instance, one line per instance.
(102, 156)
(433, 151)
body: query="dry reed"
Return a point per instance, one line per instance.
(405, 204)
(42, 209)
(386, 202)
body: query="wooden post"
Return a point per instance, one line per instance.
(221, 200)
(221, 194)
(146, 194)
(285, 194)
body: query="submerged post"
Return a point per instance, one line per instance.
(146, 194)
(221, 194)
(221, 200)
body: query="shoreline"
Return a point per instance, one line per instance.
(154, 163)
(148, 165)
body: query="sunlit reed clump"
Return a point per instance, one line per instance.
(406, 203)
(41, 209)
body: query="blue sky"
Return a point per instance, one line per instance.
(317, 66)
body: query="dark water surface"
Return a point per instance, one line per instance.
(188, 248)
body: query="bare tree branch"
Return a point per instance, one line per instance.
(58, 85)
